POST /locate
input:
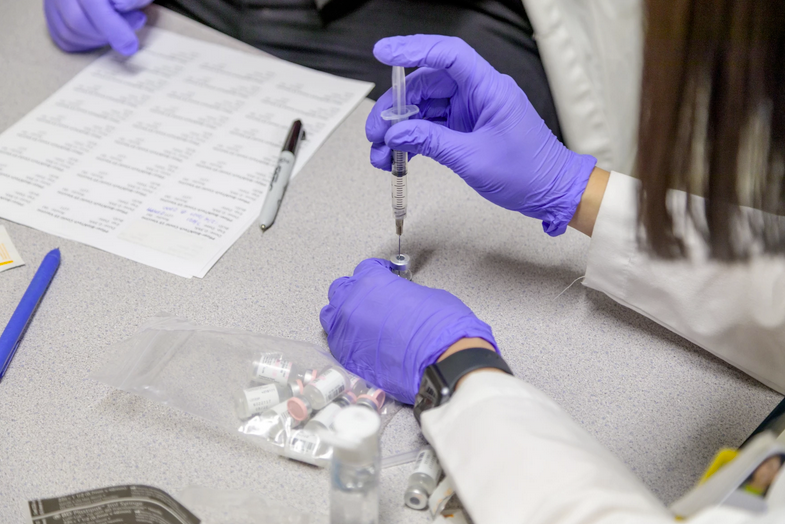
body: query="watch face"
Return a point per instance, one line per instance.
(430, 392)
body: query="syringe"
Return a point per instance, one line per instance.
(399, 112)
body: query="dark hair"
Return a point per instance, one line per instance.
(713, 123)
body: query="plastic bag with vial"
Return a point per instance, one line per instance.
(278, 393)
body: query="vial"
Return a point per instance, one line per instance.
(272, 367)
(355, 466)
(252, 401)
(306, 444)
(326, 387)
(357, 385)
(300, 407)
(372, 399)
(401, 266)
(271, 423)
(423, 479)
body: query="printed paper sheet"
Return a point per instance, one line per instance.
(165, 157)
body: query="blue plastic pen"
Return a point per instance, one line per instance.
(15, 330)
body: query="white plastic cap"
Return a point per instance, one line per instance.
(355, 434)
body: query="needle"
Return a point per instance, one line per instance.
(399, 245)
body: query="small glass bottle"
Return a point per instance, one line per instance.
(255, 400)
(307, 444)
(326, 387)
(301, 410)
(268, 424)
(423, 479)
(355, 466)
(372, 399)
(357, 385)
(272, 367)
(401, 266)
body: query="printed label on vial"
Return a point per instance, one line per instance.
(428, 464)
(278, 409)
(304, 442)
(274, 368)
(330, 384)
(261, 398)
(326, 415)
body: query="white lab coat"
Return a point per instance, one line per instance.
(736, 312)
(592, 52)
(515, 456)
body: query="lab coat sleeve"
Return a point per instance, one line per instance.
(735, 311)
(515, 456)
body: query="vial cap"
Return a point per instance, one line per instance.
(298, 409)
(310, 376)
(356, 431)
(416, 498)
(400, 262)
(376, 396)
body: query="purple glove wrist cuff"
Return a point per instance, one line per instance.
(561, 215)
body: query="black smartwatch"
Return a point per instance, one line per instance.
(439, 380)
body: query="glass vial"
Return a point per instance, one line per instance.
(272, 425)
(272, 367)
(326, 387)
(401, 266)
(372, 399)
(355, 467)
(423, 479)
(252, 401)
(357, 385)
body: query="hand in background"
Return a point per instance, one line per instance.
(82, 25)
(387, 329)
(480, 124)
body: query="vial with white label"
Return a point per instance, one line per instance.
(355, 466)
(300, 408)
(423, 479)
(306, 444)
(372, 399)
(255, 400)
(326, 387)
(268, 424)
(272, 367)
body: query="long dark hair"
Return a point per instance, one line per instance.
(713, 123)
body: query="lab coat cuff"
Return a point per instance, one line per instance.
(614, 239)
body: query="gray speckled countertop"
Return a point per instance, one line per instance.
(663, 405)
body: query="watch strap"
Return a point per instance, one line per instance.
(460, 363)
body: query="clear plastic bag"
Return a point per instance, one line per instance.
(276, 392)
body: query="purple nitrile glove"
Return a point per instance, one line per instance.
(387, 329)
(82, 25)
(480, 124)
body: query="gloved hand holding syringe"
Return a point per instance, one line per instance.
(399, 112)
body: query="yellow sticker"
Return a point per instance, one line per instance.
(9, 256)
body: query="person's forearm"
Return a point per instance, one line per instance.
(514, 456)
(586, 213)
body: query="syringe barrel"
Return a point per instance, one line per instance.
(399, 163)
(399, 200)
(399, 89)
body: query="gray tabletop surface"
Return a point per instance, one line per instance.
(661, 404)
